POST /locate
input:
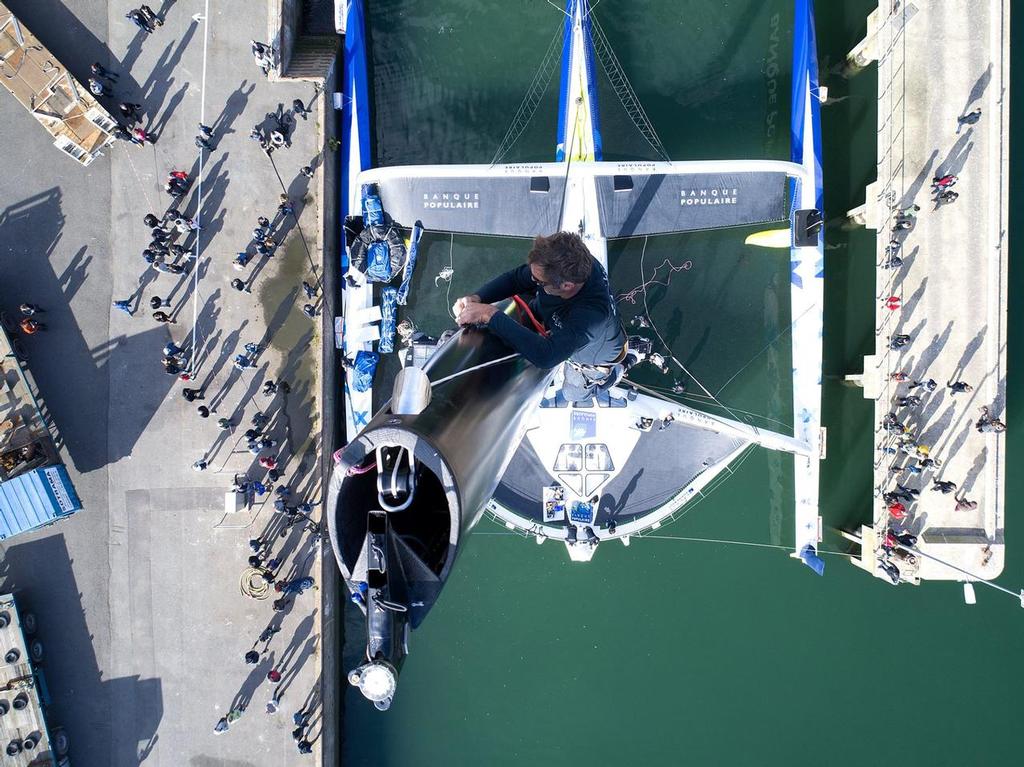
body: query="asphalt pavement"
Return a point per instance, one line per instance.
(138, 596)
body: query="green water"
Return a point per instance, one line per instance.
(673, 652)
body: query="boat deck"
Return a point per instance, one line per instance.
(732, 335)
(951, 289)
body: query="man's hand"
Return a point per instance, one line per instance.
(463, 302)
(476, 313)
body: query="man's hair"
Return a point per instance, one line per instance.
(563, 257)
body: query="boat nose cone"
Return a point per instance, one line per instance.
(376, 681)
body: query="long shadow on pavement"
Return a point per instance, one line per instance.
(39, 572)
(78, 412)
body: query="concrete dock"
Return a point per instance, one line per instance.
(137, 596)
(942, 281)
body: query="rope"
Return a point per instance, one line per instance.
(525, 309)
(298, 227)
(668, 350)
(253, 584)
(528, 107)
(974, 578)
(630, 295)
(557, 8)
(357, 470)
(482, 365)
(738, 543)
(665, 392)
(624, 90)
(451, 274)
(778, 335)
(199, 209)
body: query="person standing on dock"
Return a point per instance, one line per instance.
(944, 486)
(944, 182)
(931, 384)
(97, 88)
(959, 387)
(898, 341)
(892, 424)
(129, 111)
(263, 55)
(138, 18)
(989, 424)
(908, 401)
(971, 118)
(150, 16)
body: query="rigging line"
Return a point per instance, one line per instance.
(713, 540)
(712, 486)
(972, 576)
(531, 100)
(138, 178)
(624, 91)
(560, 10)
(298, 227)
(668, 349)
(565, 178)
(451, 269)
(591, 10)
(734, 543)
(193, 357)
(766, 346)
(703, 400)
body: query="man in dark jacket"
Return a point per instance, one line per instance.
(567, 290)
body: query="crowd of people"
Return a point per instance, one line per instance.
(909, 457)
(174, 248)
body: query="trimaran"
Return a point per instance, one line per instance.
(478, 430)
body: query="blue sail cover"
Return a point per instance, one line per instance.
(805, 76)
(35, 499)
(355, 113)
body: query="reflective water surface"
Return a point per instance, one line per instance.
(676, 651)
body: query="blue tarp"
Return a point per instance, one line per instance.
(37, 498)
(364, 368)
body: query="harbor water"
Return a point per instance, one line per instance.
(704, 643)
